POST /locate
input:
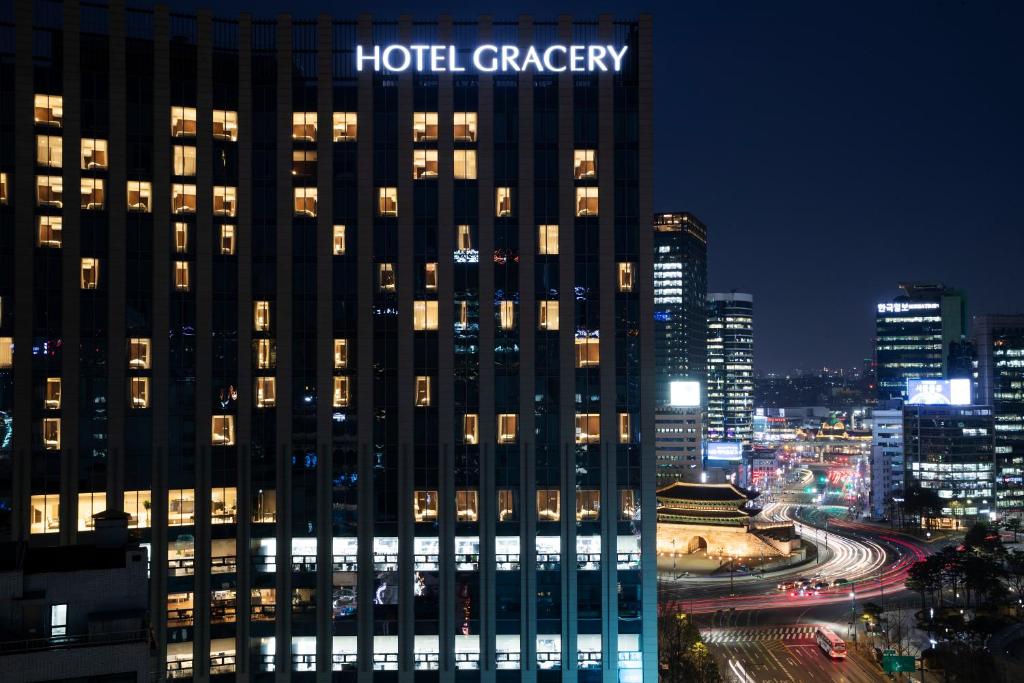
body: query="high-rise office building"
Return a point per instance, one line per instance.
(887, 468)
(680, 292)
(358, 332)
(730, 402)
(914, 334)
(678, 444)
(999, 345)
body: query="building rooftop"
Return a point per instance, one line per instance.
(17, 556)
(717, 493)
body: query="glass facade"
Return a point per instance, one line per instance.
(730, 391)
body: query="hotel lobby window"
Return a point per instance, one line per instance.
(466, 505)
(626, 271)
(305, 201)
(549, 507)
(588, 505)
(304, 126)
(50, 191)
(586, 201)
(424, 163)
(584, 164)
(90, 274)
(507, 315)
(225, 125)
(94, 154)
(51, 400)
(266, 392)
(227, 240)
(422, 391)
(464, 126)
(464, 238)
(93, 198)
(425, 506)
(340, 354)
(471, 429)
(181, 238)
(181, 509)
(225, 200)
(182, 281)
(338, 245)
(424, 126)
(465, 164)
(508, 427)
(265, 354)
(386, 277)
(49, 233)
(430, 276)
(223, 504)
(588, 428)
(341, 392)
(304, 163)
(345, 126)
(51, 433)
(588, 352)
(503, 202)
(222, 430)
(261, 316)
(184, 160)
(49, 151)
(138, 353)
(625, 432)
(547, 315)
(140, 196)
(387, 201)
(183, 122)
(424, 315)
(45, 514)
(183, 198)
(547, 240)
(138, 389)
(49, 110)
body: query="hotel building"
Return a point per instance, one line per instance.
(366, 356)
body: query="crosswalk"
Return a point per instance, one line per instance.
(743, 635)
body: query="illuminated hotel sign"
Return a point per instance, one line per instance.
(904, 307)
(490, 58)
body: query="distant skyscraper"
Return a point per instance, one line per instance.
(677, 444)
(999, 345)
(887, 471)
(680, 289)
(914, 332)
(730, 367)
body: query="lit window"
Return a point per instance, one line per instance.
(266, 392)
(49, 151)
(345, 126)
(90, 273)
(49, 110)
(588, 352)
(430, 276)
(50, 233)
(51, 433)
(508, 427)
(94, 154)
(547, 240)
(507, 315)
(138, 504)
(547, 315)
(506, 505)
(625, 433)
(339, 240)
(464, 238)
(626, 272)
(6, 352)
(467, 505)
(471, 429)
(588, 505)
(181, 509)
(340, 354)
(182, 282)
(304, 162)
(503, 202)
(58, 620)
(184, 160)
(45, 514)
(304, 126)
(464, 126)
(341, 392)
(50, 191)
(588, 428)
(261, 316)
(424, 126)
(138, 388)
(387, 201)
(386, 277)
(424, 163)
(92, 195)
(52, 399)
(140, 195)
(422, 391)
(586, 201)
(265, 353)
(183, 122)
(425, 506)
(424, 315)
(465, 164)
(139, 353)
(549, 508)
(225, 125)
(584, 164)
(223, 506)
(181, 238)
(462, 314)
(183, 198)
(227, 240)
(305, 201)
(628, 505)
(3, 189)
(224, 200)
(222, 430)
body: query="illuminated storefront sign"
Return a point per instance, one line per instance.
(491, 58)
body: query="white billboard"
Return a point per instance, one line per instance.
(939, 392)
(684, 393)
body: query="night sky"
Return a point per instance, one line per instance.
(833, 149)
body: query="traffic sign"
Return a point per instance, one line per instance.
(892, 664)
(886, 653)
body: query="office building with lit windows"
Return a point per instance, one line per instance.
(730, 409)
(364, 349)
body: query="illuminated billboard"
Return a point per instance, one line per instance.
(939, 392)
(684, 393)
(724, 450)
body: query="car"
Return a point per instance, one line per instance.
(788, 585)
(840, 582)
(820, 585)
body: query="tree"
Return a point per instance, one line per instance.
(682, 655)
(1013, 525)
